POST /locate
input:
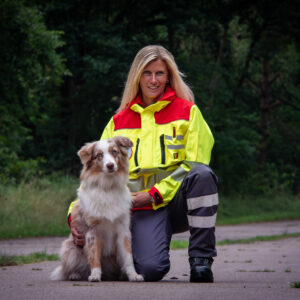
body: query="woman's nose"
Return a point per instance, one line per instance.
(153, 78)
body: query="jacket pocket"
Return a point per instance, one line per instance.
(174, 149)
(136, 152)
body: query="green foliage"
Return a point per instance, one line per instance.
(30, 69)
(65, 63)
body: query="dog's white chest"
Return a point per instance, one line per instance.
(100, 204)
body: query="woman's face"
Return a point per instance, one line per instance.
(153, 81)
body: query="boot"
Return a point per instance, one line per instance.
(201, 269)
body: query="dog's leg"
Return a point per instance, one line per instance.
(93, 250)
(124, 256)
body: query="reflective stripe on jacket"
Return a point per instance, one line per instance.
(170, 137)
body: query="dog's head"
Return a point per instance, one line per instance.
(106, 156)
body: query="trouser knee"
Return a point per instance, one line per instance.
(201, 180)
(153, 271)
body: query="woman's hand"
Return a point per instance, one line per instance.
(79, 238)
(140, 199)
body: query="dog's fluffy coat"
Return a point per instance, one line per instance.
(103, 215)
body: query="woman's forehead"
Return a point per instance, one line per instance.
(157, 63)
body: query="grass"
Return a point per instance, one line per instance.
(264, 270)
(259, 239)
(39, 207)
(184, 244)
(287, 271)
(240, 209)
(258, 271)
(175, 245)
(13, 260)
(295, 284)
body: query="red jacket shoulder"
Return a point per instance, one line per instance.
(178, 109)
(127, 118)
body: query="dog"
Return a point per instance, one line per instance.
(103, 215)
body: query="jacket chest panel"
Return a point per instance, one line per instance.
(157, 146)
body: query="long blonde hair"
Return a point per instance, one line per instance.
(144, 57)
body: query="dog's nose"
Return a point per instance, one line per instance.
(110, 166)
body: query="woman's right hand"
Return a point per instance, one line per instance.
(78, 237)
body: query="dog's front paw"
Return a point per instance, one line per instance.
(135, 277)
(95, 275)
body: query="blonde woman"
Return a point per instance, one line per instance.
(173, 188)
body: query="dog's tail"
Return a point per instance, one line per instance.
(57, 274)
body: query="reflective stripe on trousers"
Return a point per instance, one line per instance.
(194, 208)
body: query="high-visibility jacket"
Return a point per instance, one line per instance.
(170, 137)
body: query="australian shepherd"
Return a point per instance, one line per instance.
(103, 215)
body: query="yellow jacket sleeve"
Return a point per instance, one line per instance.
(198, 145)
(108, 130)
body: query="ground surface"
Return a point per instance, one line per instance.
(262, 270)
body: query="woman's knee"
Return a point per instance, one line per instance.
(153, 270)
(201, 180)
(203, 173)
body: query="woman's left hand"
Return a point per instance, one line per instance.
(140, 199)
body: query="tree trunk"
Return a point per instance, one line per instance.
(264, 113)
(216, 76)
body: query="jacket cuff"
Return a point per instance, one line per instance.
(154, 192)
(69, 219)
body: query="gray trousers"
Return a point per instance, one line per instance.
(193, 208)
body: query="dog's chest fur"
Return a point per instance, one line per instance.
(105, 204)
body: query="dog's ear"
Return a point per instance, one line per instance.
(86, 152)
(123, 141)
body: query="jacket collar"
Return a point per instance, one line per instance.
(137, 104)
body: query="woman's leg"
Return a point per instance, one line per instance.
(151, 235)
(195, 208)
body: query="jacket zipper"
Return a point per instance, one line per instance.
(136, 152)
(162, 147)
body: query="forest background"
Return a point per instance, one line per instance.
(64, 65)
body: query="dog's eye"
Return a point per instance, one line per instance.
(100, 155)
(114, 152)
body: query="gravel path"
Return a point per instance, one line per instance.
(263, 270)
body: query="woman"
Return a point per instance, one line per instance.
(173, 188)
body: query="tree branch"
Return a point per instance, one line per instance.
(277, 75)
(253, 85)
(287, 103)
